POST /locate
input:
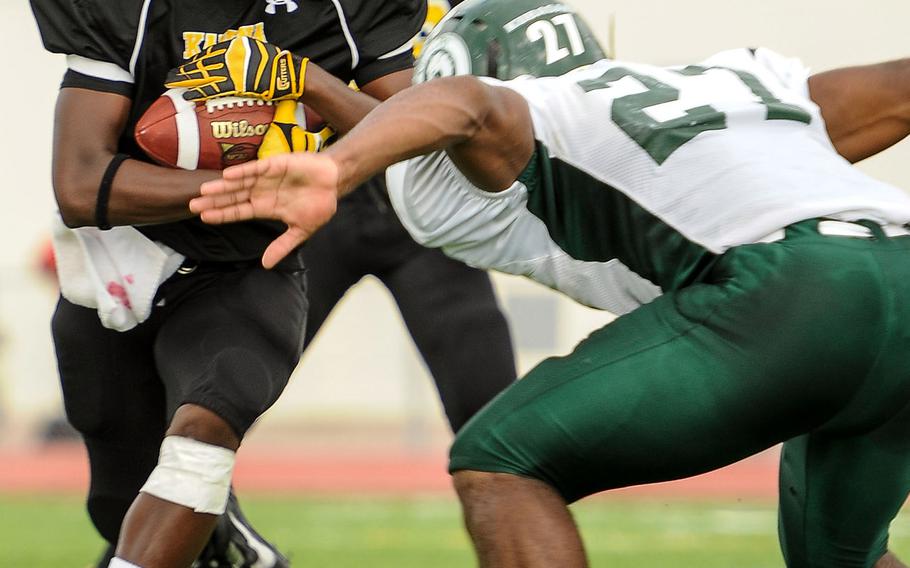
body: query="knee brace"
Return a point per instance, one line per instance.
(193, 474)
(120, 563)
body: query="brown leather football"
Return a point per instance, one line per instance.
(211, 135)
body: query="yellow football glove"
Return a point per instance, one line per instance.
(284, 135)
(244, 67)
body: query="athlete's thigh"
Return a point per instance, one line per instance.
(233, 341)
(334, 262)
(111, 389)
(839, 494)
(658, 395)
(452, 314)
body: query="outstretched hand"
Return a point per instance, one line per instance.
(299, 189)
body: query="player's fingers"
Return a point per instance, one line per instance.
(193, 79)
(252, 179)
(193, 95)
(231, 198)
(228, 214)
(212, 216)
(198, 93)
(216, 186)
(200, 204)
(218, 200)
(263, 175)
(188, 82)
(242, 211)
(273, 166)
(249, 170)
(283, 246)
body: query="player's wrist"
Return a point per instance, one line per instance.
(344, 164)
(316, 85)
(288, 76)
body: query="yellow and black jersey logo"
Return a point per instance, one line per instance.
(195, 42)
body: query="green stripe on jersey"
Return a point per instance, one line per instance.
(593, 221)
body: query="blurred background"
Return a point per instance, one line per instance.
(360, 421)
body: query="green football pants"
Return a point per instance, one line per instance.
(805, 339)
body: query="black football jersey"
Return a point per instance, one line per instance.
(128, 46)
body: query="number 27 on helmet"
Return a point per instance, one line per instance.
(495, 38)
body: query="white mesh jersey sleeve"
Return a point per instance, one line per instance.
(440, 208)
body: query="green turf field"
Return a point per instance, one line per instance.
(53, 532)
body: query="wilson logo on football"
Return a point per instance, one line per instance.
(223, 129)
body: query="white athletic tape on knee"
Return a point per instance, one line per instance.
(193, 474)
(120, 563)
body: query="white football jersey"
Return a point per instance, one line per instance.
(643, 173)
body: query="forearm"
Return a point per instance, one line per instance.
(866, 108)
(338, 104)
(141, 193)
(144, 194)
(423, 119)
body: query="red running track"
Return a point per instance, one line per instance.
(294, 469)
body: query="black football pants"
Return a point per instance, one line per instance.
(224, 336)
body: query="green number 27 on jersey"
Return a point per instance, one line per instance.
(661, 138)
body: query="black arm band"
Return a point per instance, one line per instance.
(104, 191)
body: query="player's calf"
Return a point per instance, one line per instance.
(518, 522)
(889, 560)
(179, 505)
(234, 544)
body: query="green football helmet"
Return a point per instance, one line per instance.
(506, 39)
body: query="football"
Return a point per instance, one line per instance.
(212, 135)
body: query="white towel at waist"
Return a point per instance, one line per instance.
(116, 272)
